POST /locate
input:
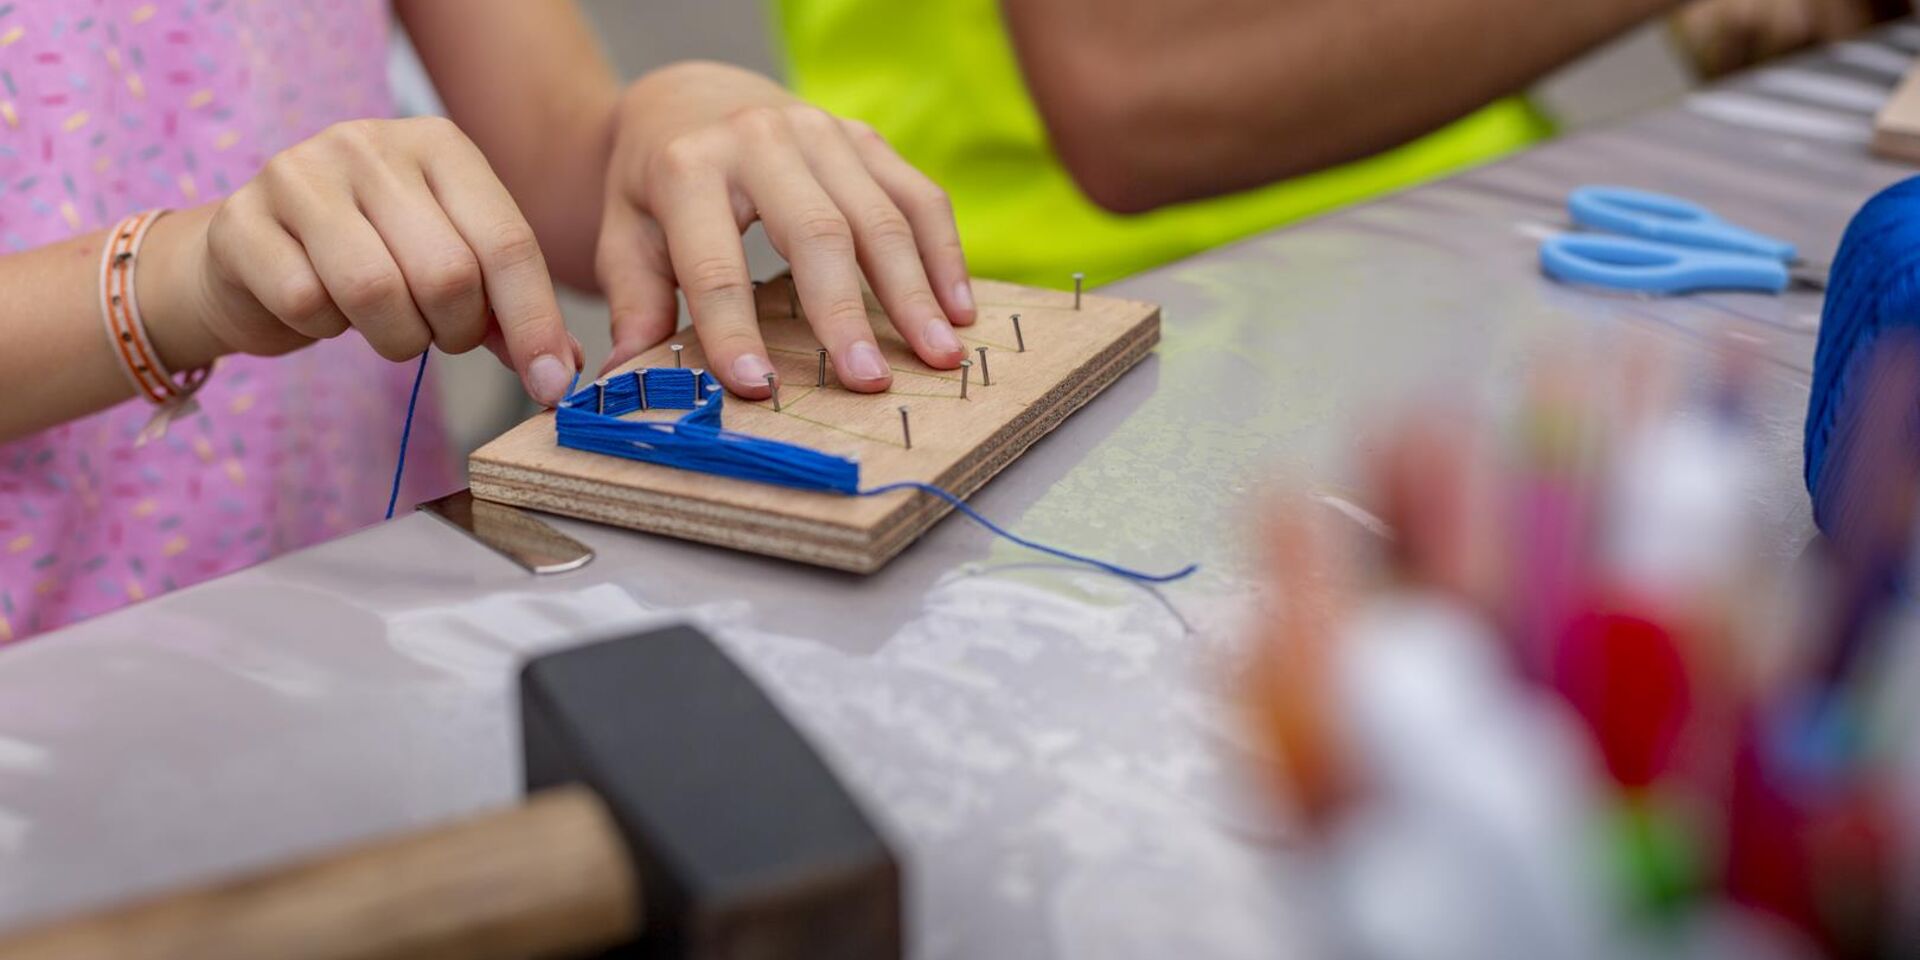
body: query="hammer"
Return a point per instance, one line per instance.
(672, 811)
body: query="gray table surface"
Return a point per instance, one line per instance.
(1048, 747)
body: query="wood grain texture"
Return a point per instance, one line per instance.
(549, 879)
(1896, 131)
(957, 444)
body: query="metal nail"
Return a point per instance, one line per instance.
(823, 367)
(986, 376)
(773, 384)
(1018, 337)
(966, 374)
(906, 432)
(676, 348)
(600, 406)
(640, 381)
(1078, 279)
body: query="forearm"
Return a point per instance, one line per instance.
(1151, 102)
(526, 81)
(56, 363)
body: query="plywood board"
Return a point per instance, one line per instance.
(1896, 131)
(958, 444)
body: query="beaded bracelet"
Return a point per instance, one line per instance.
(127, 329)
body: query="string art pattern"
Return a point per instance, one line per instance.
(591, 419)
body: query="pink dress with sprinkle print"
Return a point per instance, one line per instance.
(108, 107)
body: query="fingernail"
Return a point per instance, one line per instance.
(963, 295)
(750, 370)
(865, 363)
(547, 379)
(941, 338)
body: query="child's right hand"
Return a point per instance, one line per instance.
(398, 229)
(1722, 36)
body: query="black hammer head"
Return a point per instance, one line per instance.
(747, 846)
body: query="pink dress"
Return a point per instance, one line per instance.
(108, 107)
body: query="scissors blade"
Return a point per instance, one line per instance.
(1807, 280)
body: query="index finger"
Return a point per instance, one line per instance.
(513, 271)
(704, 248)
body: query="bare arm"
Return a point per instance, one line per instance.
(56, 363)
(396, 229)
(399, 230)
(1151, 102)
(527, 82)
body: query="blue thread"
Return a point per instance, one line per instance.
(696, 441)
(406, 430)
(975, 516)
(1874, 290)
(589, 419)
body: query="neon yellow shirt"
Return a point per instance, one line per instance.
(939, 80)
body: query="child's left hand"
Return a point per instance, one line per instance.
(700, 144)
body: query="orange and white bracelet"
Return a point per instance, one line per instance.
(120, 308)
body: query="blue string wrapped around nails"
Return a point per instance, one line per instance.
(590, 419)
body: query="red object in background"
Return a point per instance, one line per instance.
(1625, 676)
(1851, 842)
(1813, 850)
(1767, 866)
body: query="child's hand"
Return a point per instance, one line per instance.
(1722, 36)
(703, 150)
(396, 228)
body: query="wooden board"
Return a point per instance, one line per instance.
(1896, 131)
(958, 444)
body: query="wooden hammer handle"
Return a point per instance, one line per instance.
(551, 878)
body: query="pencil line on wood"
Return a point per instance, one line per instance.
(808, 353)
(789, 401)
(927, 376)
(840, 429)
(930, 396)
(1025, 308)
(978, 340)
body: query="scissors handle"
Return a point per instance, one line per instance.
(1665, 219)
(1624, 263)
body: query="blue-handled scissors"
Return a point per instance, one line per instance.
(1665, 245)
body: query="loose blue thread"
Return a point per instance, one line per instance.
(406, 430)
(971, 514)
